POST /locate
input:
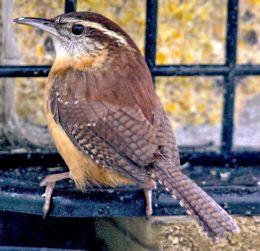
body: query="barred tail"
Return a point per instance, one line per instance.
(214, 219)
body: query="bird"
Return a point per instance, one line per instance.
(107, 121)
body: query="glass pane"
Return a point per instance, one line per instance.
(130, 15)
(247, 107)
(249, 32)
(29, 99)
(191, 32)
(194, 106)
(35, 46)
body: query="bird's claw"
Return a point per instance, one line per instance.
(47, 197)
(49, 182)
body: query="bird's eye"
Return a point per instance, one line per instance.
(77, 29)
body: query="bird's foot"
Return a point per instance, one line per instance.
(149, 208)
(148, 191)
(49, 182)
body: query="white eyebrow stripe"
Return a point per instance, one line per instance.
(102, 28)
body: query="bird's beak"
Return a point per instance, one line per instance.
(41, 23)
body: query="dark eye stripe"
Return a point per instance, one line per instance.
(77, 29)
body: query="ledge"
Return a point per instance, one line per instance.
(20, 192)
(194, 156)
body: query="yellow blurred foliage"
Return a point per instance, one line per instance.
(40, 51)
(189, 32)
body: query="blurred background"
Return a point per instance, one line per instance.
(189, 32)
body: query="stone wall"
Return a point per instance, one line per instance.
(176, 233)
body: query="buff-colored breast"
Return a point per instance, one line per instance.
(83, 169)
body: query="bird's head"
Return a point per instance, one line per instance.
(97, 60)
(80, 35)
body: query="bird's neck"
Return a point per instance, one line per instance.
(82, 63)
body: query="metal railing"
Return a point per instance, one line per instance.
(230, 70)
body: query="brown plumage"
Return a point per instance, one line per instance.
(107, 121)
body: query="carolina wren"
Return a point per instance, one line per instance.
(107, 121)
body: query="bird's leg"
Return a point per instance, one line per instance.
(49, 182)
(148, 190)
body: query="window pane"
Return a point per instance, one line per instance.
(194, 106)
(29, 99)
(191, 32)
(249, 32)
(247, 107)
